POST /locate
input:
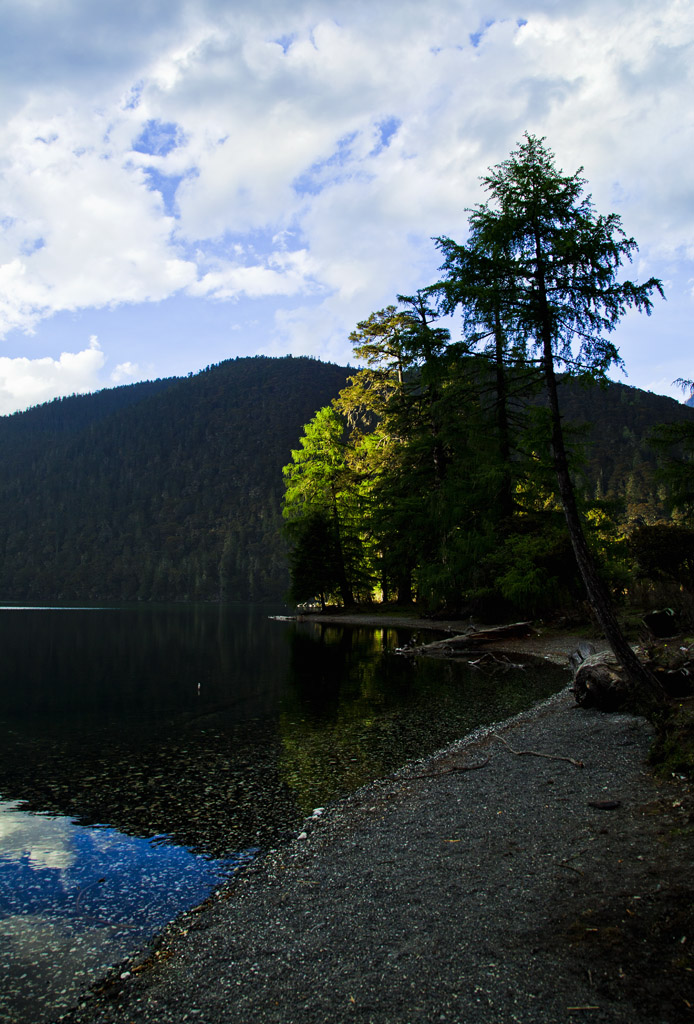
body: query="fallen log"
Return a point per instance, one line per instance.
(600, 682)
(475, 638)
(483, 636)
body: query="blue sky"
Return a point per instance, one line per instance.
(185, 181)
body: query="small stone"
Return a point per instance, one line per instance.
(302, 835)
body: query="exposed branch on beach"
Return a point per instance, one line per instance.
(449, 771)
(565, 863)
(537, 753)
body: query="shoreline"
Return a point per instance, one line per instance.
(373, 880)
(551, 644)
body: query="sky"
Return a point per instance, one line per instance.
(185, 181)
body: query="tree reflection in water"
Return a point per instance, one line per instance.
(188, 733)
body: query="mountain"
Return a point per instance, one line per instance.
(172, 489)
(617, 461)
(165, 490)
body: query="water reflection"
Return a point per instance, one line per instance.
(154, 724)
(137, 661)
(73, 901)
(215, 730)
(221, 730)
(353, 710)
(154, 720)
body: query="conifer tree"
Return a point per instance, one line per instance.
(318, 503)
(559, 261)
(395, 444)
(474, 282)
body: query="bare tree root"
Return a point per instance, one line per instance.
(449, 771)
(536, 753)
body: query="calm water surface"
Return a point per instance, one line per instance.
(147, 753)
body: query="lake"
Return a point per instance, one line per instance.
(148, 753)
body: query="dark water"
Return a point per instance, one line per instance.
(147, 753)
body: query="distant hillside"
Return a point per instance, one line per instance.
(162, 490)
(618, 461)
(171, 490)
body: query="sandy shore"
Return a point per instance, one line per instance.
(495, 882)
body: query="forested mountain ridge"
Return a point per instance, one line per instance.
(163, 490)
(617, 461)
(172, 489)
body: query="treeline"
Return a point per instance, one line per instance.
(448, 471)
(172, 489)
(168, 490)
(399, 482)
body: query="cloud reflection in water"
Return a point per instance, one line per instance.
(75, 900)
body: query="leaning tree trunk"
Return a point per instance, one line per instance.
(598, 594)
(502, 424)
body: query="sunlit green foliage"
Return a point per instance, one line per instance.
(469, 489)
(322, 507)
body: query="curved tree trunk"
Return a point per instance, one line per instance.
(598, 594)
(502, 424)
(596, 590)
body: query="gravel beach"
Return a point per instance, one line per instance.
(534, 872)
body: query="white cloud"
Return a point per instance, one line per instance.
(25, 382)
(284, 273)
(45, 842)
(125, 371)
(190, 136)
(82, 229)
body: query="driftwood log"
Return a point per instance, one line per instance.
(473, 639)
(482, 636)
(599, 680)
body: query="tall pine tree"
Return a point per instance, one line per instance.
(559, 261)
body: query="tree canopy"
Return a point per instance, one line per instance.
(448, 442)
(561, 295)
